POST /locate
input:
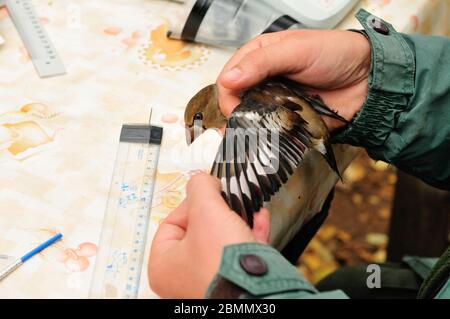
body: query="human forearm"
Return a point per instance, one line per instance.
(405, 120)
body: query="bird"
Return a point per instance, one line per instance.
(251, 167)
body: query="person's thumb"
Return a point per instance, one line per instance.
(209, 213)
(204, 194)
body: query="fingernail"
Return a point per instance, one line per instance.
(233, 75)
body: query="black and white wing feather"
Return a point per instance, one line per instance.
(262, 147)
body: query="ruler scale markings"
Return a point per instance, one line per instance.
(140, 235)
(127, 214)
(35, 38)
(122, 246)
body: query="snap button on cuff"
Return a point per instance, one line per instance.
(379, 26)
(253, 265)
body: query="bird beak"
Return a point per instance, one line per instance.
(192, 132)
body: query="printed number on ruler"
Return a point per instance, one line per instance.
(123, 241)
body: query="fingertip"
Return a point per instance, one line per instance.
(261, 226)
(228, 101)
(202, 180)
(194, 178)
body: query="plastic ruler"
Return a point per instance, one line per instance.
(124, 233)
(35, 38)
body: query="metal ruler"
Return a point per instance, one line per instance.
(35, 38)
(5, 260)
(124, 234)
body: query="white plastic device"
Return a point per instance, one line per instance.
(321, 14)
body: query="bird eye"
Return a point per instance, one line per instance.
(198, 116)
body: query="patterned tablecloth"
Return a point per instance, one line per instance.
(58, 136)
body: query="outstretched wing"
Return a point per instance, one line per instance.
(261, 149)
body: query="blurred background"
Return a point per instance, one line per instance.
(358, 223)
(378, 215)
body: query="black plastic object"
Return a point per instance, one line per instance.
(195, 19)
(141, 134)
(283, 23)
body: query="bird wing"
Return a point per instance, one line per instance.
(315, 101)
(262, 147)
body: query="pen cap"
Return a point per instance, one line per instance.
(229, 22)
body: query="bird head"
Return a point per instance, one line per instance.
(203, 113)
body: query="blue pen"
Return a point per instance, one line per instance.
(16, 264)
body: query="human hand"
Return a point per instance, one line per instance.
(331, 63)
(187, 248)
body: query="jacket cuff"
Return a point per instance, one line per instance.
(253, 271)
(391, 84)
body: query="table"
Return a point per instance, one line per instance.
(58, 136)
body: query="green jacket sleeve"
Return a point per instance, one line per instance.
(405, 120)
(258, 271)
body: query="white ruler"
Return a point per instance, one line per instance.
(124, 234)
(35, 38)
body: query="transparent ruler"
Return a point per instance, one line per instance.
(124, 234)
(35, 38)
